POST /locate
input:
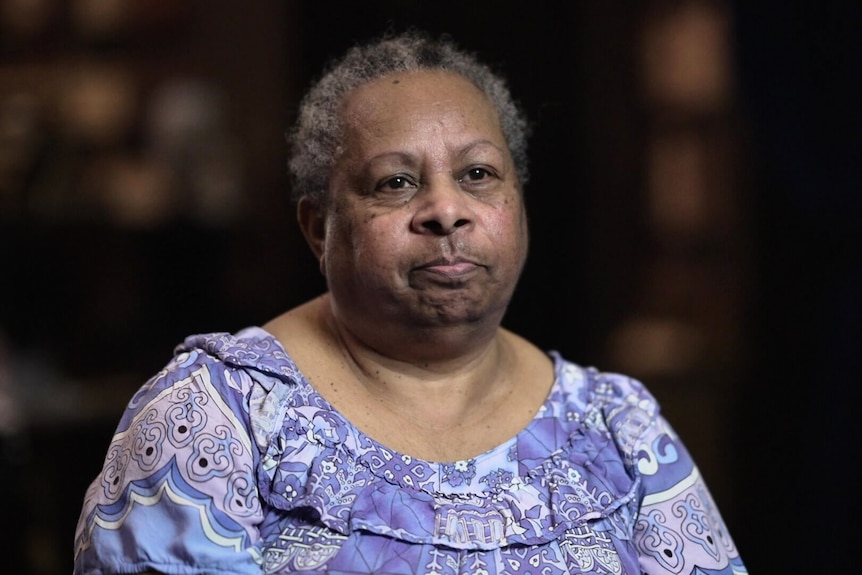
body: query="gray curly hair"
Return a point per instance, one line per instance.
(315, 139)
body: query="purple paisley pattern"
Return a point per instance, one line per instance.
(227, 461)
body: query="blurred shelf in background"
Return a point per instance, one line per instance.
(142, 187)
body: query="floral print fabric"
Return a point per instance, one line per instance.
(228, 461)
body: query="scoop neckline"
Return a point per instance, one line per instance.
(320, 400)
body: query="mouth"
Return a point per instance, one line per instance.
(449, 269)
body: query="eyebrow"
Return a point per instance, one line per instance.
(400, 156)
(480, 143)
(407, 157)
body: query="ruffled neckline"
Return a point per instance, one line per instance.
(562, 470)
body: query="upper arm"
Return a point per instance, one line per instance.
(176, 491)
(678, 525)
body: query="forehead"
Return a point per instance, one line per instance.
(434, 95)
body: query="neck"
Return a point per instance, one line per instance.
(406, 339)
(449, 372)
(449, 407)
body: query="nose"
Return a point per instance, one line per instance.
(442, 207)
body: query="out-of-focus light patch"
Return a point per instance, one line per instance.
(97, 103)
(187, 128)
(656, 346)
(677, 188)
(685, 56)
(138, 192)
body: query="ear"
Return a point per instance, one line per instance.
(312, 222)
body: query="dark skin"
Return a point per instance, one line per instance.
(422, 240)
(425, 229)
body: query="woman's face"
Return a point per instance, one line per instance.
(426, 220)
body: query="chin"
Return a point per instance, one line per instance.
(457, 310)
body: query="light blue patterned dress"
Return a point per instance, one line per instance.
(229, 462)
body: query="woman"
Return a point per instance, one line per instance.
(392, 425)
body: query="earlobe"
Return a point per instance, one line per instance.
(312, 222)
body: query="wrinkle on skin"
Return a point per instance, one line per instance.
(422, 239)
(377, 249)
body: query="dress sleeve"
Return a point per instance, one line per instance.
(176, 493)
(678, 529)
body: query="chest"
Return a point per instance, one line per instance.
(432, 429)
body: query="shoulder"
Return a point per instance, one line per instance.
(220, 367)
(586, 385)
(611, 391)
(184, 458)
(220, 388)
(619, 403)
(252, 348)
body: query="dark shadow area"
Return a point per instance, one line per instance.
(798, 68)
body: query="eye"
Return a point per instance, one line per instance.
(476, 175)
(395, 183)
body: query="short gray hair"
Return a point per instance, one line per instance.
(315, 139)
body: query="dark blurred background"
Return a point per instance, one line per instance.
(695, 202)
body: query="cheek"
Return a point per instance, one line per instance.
(510, 229)
(340, 240)
(509, 226)
(370, 243)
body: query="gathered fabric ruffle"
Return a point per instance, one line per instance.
(315, 464)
